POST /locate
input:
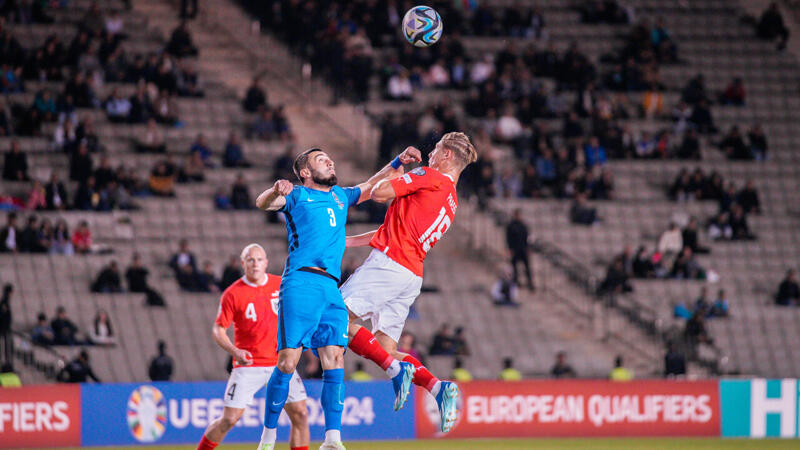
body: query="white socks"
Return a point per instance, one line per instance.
(436, 388)
(333, 436)
(394, 369)
(269, 435)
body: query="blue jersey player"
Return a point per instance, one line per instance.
(312, 314)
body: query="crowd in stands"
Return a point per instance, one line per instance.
(446, 343)
(45, 237)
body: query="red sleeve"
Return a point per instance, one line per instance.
(226, 310)
(412, 182)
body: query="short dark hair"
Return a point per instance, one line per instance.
(301, 162)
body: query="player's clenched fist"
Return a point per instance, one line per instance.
(409, 155)
(283, 187)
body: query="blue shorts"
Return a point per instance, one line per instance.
(311, 313)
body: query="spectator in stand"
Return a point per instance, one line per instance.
(42, 333)
(29, 239)
(758, 142)
(747, 198)
(504, 290)
(6, 319)
(701, 118)
(234, 155)
(509, 373)
(721, 306)
(739, 225)
(616, 280)
(81, 165)
(642, 264)
(183, 263)
(162, 180)
(680, 310)
(78, 370)
(36, 199)
(399, 87)
(240, 194)
(460, 345)
(690, 146)
(771, 26)
(562, 369)
(102, 332)
(674, 362)
(460, 374)
(64, 330)
(442, 343)
(671, 241)
(82, 238)
(180, 42)
(358, 374)
(788, 291)
(702, 305)
(690, 237)
(231, 273)
(164, 109)
(206, 281)
(161, 366)
(695, 90)
(686, 266)
(734, 93)
(61, 242)
(264, 126)
(620, 372)
(581, 213)
(15, 165)
(719, 227)
(517, 241)
(118, 108)
(200, 146)
(255, 98)
(193, 170)
(595, 153)
(696, 332)
(408, 344)
(108, 280)
(186, 7)
(55, 193)
(136, 275)
(9, 235)
(153, 139)
(734, 147)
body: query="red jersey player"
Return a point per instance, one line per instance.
(385, 286)
(251, 305)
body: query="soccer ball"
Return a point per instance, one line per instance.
(422, 26)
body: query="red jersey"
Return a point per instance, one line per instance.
(425, 206)
(253, 310)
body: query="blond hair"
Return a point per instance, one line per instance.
(461, 146)
(246, 251)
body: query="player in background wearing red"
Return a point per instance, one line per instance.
(251, 304)
(387, 283)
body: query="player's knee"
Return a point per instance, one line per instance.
(352, 329)
(227, 421)
(298, 415)
(286, 366)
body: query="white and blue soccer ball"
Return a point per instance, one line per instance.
(422, 26)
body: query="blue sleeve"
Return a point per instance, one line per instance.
(291, 199)
(353, 194)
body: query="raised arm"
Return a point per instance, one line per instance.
(274, 198)
(409, 155)
(359, 240)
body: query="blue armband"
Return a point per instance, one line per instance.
(396, 163)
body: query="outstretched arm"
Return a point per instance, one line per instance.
(274, 198)
(359, 240)
(409, 155)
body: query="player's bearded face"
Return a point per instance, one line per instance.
(322, 179)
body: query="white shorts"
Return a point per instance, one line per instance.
(381, 291)
(244, 382)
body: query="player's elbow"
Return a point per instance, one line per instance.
(381, 194)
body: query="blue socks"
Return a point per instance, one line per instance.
(332, 398)
(277, 393)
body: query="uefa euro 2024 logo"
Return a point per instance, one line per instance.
(147, 414)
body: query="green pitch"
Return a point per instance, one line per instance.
(536, 444)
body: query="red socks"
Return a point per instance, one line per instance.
(205, 444)
(364, 344)
(300, 448)
(422, 377)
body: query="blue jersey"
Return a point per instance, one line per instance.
(315, 223)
